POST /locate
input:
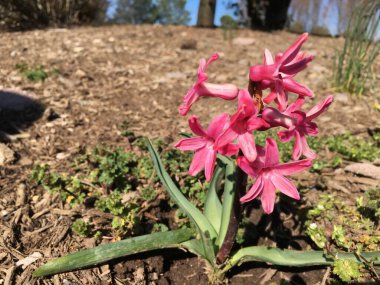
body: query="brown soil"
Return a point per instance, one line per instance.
(111, 74)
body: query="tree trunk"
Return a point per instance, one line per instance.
(206, 13)
(268, 14)
(277, 14)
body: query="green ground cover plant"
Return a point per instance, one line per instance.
(119, 181)
(36, 73)
(334, 225)
(81, 228)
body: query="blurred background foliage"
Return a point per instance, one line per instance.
(165, 12)
(320, 17)
(37, 14)
(353, 70)
(32, 14)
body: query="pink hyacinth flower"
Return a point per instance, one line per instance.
(278, 74)
(242, 123)
(269, 175)
(301, 127)
(276, 119)
(203, 88)
(203, 145)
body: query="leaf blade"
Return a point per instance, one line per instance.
(213, 206)
(206, 230)
(107, 252)
(294, 258)
(194, 246)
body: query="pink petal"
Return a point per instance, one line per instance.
(229, 149)
(214, 57)
(264, 84)
(271, 153)
(278, 57)
(184, 109)
(286, 136)
(218, 125)
(268, 196)
(306, 149)
(246, 103)
(285, 186)
(293, 167)
(196, 127)
(189, 99)
(247, 146)
(262, 72)
(237, 118)
(270, 97)
(255, 123)
(202, 76)
(300, 117)
(210, 164)
(191, 143)
(225, 138)
(319, 108)
(281, 95)
(301, 55)
(293, 50)
(255, 190)
(311, 129)
(224, 91)
(268, 59)
(292, 86)
(260, 160)
(297, 149)
(296, 105)
(248, 167)
(276, 118)
(198, 162)
(198, 88)
(296, 67)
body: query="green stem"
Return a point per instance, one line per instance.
(233, 225)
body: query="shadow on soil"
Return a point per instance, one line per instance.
(18, 111)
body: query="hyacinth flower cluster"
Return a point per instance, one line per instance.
(227, 147)
(234, 134)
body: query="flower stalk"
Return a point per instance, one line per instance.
(235, 218)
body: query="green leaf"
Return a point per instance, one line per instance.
(213, 207)
(228, 197)
(293, 258)
(186, 135)
(103, 253)
(204, 226)
(194, 246)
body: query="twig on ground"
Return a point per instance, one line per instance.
(326, 276)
